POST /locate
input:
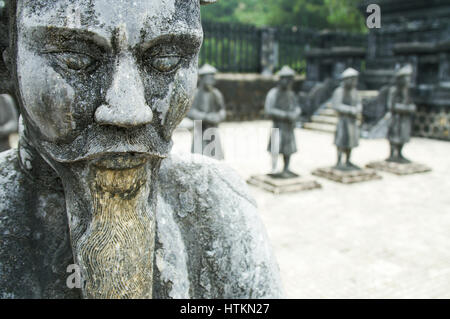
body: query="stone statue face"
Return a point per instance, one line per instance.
(286, 82)
(102, 85)
(404, 81)
(105, 76)
(208, 81)
(351, 83)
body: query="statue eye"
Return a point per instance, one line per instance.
(165, 64)
(74, 61)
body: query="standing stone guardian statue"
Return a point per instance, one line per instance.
(283, 108)
(348, 106)
(8, 105)
(207, 111)
(401, 111)
(101, 87)
(399, 117)
(8, 121)
(347, 103)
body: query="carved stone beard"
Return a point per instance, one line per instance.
(111, 215)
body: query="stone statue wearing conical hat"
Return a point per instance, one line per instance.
(207, 111)
(283, 108)
(347, 103)
(8, 120)
(401, 111)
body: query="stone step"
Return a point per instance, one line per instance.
(368, 94)
(324, 119)
(328, 112)
(328, 105)
(321, 127)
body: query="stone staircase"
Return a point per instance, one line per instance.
(324, 121)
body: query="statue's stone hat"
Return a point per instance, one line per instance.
(286, 71)
(207, 69)
(406, 70)
(349, 73)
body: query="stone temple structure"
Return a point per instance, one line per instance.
(324, 67)
(413, 32)
(329, 63)
(93, 188)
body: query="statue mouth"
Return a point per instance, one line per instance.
(121, 161)
(106, 142)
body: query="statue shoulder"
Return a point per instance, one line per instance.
(196, 98)
(337, 96)
(391, 93)
(16, 278)
(271, 97)
(200, 172)
(7, 105)
(338, 91)
(217, 93)
(392, 90)
(11, 189)
(12, 192)
(219, 99)
(273, 92)
(10, 176)
(221, 231)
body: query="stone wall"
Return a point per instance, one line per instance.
(432, 122)
(245, 94)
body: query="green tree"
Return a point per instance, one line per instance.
(317, 14)
(223, 11)
(253, 12)
(344, 15)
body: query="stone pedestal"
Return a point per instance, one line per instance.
(347, 177)
(281, 186)
(399, 168)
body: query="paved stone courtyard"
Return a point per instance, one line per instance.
(380, 239)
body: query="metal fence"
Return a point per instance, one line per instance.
(292, 46)
(231, 48)
(238, 48)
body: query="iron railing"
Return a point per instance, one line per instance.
(237, 47)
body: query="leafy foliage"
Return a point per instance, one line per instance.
(317, 14)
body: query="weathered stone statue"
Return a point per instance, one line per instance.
(209, 108)
(8, 111)
(283, 108)
(398, 121)
(347, 103)
(401, 111)
(8, 120)
(101, 86)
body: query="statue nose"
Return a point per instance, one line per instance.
(125, 99)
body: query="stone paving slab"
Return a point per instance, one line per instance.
(399, 168)
(347, 177)
(282, 186)
(388, 238)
